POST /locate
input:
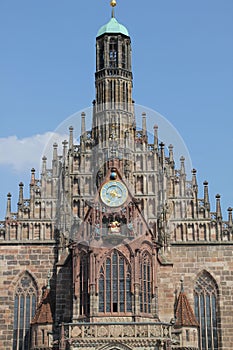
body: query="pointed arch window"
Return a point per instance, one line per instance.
(206, 300)
(24, 311)
(115, 285)
(146, 284)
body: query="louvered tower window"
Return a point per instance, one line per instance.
(24, 311)
(113, 53)
(146, 284)
(101, 56)
(205, 295)
(123, 57)
(115, 285)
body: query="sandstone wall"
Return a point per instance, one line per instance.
(15, 260)
(189, 261)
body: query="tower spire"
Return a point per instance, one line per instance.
(113, 3)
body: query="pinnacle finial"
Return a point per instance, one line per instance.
(182, 284)
(113, 3)
(218, 207)
(48, 279)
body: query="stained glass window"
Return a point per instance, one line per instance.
(146, 280)
(205, 298)
(24, 310)
(115, 285)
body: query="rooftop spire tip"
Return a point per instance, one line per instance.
(113, 3)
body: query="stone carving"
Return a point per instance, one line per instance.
(119, 330)
(115, 331)
(102, 332)
(128, 331)
(76, 332)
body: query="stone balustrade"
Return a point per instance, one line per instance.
(134, 334)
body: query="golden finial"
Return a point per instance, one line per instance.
(113, 3)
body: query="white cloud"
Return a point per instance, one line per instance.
(24, 154)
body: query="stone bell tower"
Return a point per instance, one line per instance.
(113, 127)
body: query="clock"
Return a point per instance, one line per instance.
(113, 193)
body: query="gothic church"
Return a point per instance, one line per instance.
(115, 249)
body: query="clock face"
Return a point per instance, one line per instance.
(113, 193)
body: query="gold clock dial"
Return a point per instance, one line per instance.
(113, 193)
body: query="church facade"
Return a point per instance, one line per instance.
(115, 249)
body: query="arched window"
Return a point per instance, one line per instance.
(115, 285)
(24, 310)
(205, 296)
(146, 283)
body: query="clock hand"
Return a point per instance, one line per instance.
(114, 194)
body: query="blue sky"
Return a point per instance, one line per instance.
(182, 65)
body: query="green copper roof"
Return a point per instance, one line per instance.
(113, 27)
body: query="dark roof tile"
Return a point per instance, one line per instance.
(184, 313)
(44, 310)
